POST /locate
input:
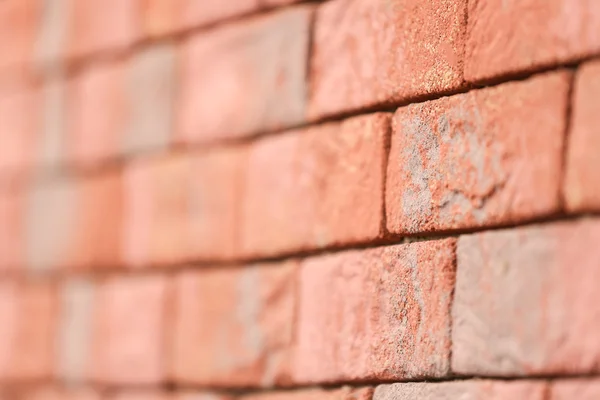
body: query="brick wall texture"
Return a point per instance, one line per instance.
(299, 200)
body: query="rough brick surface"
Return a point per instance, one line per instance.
(582, 190)
(317, 187)
(471, 390)
(371, 52)
(488, 157)
(245, 79)
(234, 327)
(581, 389)
(181, 208)
(128, 344)
(344, 393)
(525, 301)
(512, 36)
(395, 303)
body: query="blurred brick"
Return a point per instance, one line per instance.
(8, 320)
(195, 395)
(375, 314)
(582, 185)
(317, 187)
(94, 136)
(506, 37)
(56, 394)
(344, 393)
(369, 52)
(162, 17)
(75, 334)
(526, 301)
(181, 208)
(142, 395)
(18, 27)
(51, 149)
(470, 389)
(97, 26)
(128, 345)
(483, 158)
(244, 79)
(52, 31)
(11, 230)
(234, 327)
(580, 389)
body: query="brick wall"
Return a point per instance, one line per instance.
(285, 200)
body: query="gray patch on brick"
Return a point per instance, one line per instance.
(74, 338)
(151, 96)
(49, 221)
(53, 128)
(52, 34)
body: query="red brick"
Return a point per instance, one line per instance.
(345, 393)
(94, 136)
(162, 17)
(484, 158)
(582, 187)
(526, 301)
(18, 24)
(128, 345)
(246, 78)
(471, 389)
(194, 395)
(55, 394)
(316, 187)
(580, 389)
(376, 314)
(196, 13)
(506, 37)
(11, 229)
(373, 52)
(142, 395)
(50, 153)
(97, 26)
(234, 326)
(181, 208)
(28, 319)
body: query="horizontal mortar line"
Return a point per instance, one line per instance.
(103, 272)
(20, 178)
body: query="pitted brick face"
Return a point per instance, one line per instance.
(471, 390)
(344, 393)
(464, 161)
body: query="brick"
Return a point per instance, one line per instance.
(18, 24)
(484, 158)
(11, 230)
(395, 303)
(581, 389)
(142, 395)
(76, 234)
(51, 35)
(55, 394)
(344, 393)
(28, 314)
(75, 334)
(369, 53)
(234, 327)
(99, 26)
(128, 345)
(94, 137)
(194, 395)
(507, 37)
(51, 154)
(244, 79)
(471, 389)
(317, 187)
(181, 208)
(525, 301)
(196, 13)
(582, 191)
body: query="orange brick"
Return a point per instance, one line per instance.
(469, 389)
(507, 37)
(367, 53)
(244, 79)
(196, 13)
(11, 229)
(141, 395)
(582, 186)
(18, 23)
(483, 158)
(526, 301)
(317, 187)
(376, 314)
(233, 327)
(580, 389)
(128, 345)
(345, 393)
(56, 394)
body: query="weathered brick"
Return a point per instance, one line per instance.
(75, 334)
(128, 345)
(526, 301)
(28, 319)
(18, 25)
(370, 52)
(98, 26)
(234, 326)
(345, 393)
(76, 234)
(56, 394)
(244, 79)
(471, 390)
(580, 389)
(376, 314)
(487, 157)
(181, 208)
(317, 187)
(506, 37)
(582, 186)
